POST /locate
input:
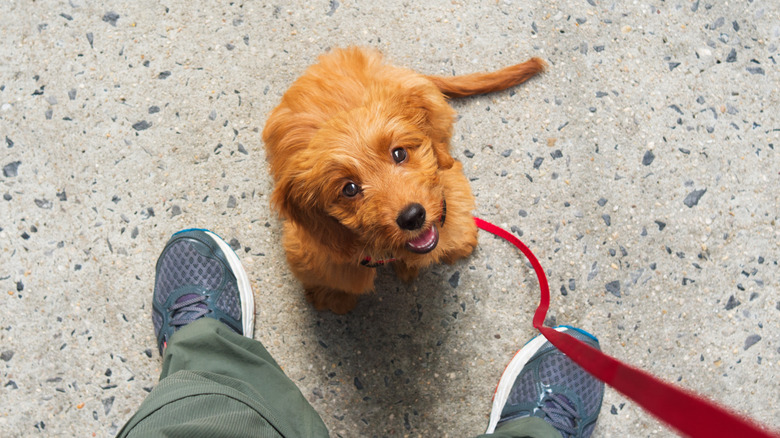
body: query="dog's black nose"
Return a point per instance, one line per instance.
(412, 217)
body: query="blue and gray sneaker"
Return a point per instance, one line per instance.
(541, 381)
(198, 275)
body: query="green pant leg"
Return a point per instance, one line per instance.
(218, 383)
(528, 427)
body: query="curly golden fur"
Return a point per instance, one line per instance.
(359, 151)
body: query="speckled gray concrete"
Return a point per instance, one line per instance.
(642, 169)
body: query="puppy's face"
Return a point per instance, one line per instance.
(377, 175)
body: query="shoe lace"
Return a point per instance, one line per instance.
(188, 309)
(561, 414)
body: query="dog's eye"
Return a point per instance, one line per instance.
(399, 155)
(350, 190)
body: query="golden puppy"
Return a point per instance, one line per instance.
(359, 151)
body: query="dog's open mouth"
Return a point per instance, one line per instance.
(425, 242)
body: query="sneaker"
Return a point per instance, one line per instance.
(198, 275)
(541, 381)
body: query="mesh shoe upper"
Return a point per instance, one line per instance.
(181, 264)
(552, 387)
(194, 279)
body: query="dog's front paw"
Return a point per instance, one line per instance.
(467, 244)
(338, 302)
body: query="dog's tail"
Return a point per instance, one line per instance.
(480, 83)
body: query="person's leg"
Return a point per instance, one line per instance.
(527, 427)
(216, 380)
(544, 394)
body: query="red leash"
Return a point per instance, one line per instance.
(686, 412)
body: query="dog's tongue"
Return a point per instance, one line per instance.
(425, 242)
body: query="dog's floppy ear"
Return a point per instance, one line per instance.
(425, 106)
(286, 135)
(443, 157)
(293, 200)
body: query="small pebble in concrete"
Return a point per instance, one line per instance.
(108, 402)
(648, 158)
(751, 341)
(454, 279)
(732, 56)
(111, 17)
(594, 271)
(693, 198)
(142, 125)
(43, 203)
(613, 287)
(334, 5)
(11, 169)
(732, 303)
